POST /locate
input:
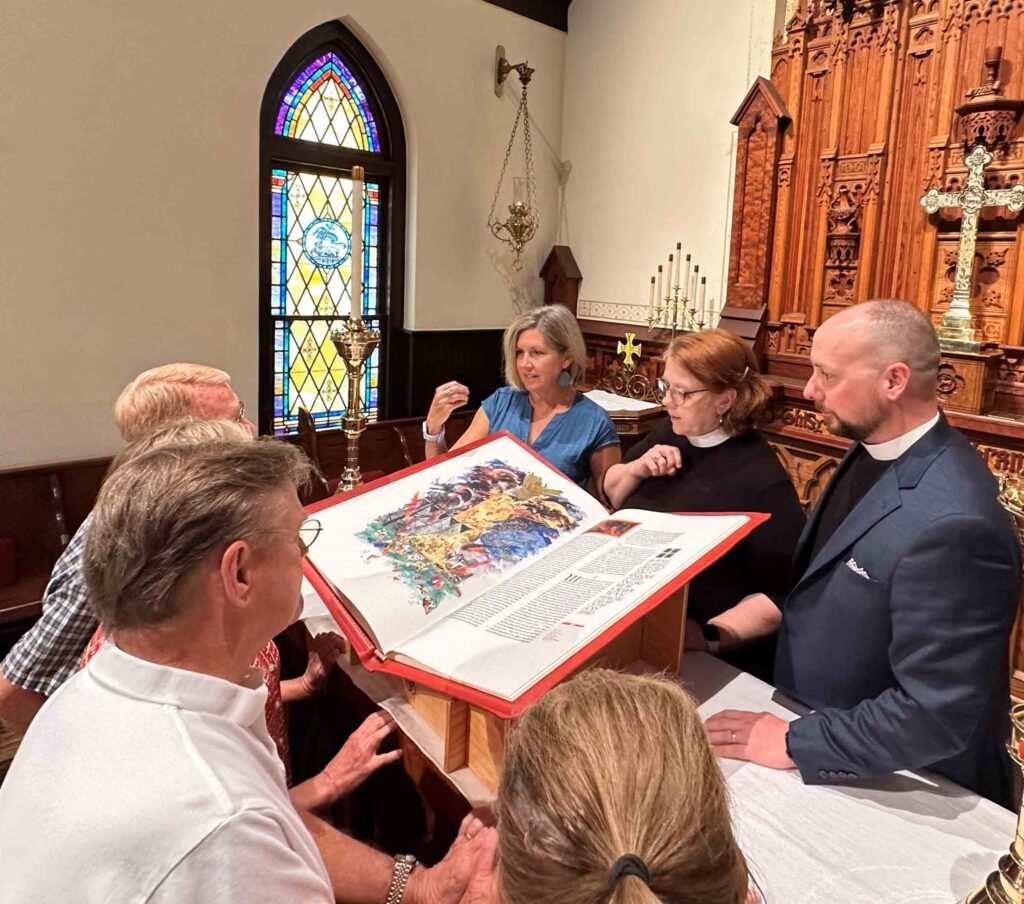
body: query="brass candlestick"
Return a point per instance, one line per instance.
(1005, 885)
(355, 344)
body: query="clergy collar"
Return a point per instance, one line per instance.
(894, 448)
(715, 438)
(143, 680)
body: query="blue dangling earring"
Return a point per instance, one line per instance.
(565, 378)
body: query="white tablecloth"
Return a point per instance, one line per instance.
(905, 839)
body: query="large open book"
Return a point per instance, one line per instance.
(487, 574)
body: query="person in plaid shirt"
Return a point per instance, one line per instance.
(48, 654)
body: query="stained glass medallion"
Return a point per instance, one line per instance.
(311, 272)
(325, 104)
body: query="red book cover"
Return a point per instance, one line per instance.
(364, 648)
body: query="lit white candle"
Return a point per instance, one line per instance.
(650, 302)
(357, 243)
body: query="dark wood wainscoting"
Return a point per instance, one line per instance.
(40, 509)
(430, 357)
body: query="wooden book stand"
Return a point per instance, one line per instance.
(475, 738)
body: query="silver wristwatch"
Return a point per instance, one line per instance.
(431, 437)
(404, 864)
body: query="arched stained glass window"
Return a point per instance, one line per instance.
(327, 108)
(326, 104)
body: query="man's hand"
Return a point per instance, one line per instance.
(757, 737)
(323, 654)
(465, 876)
(693, 637)
(483, 881)
(358, 757)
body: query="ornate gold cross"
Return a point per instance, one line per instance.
(629, 351)
(956, 332)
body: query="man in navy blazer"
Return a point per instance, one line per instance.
(896, 631)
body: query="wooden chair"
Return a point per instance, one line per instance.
(320, 487)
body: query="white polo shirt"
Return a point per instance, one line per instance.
(142, 783)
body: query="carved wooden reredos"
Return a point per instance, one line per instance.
(834, 153)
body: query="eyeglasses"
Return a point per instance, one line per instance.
(309, 530)
(241, 412)
(678, 396)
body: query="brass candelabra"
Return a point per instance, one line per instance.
(355, 344)
(676, 312)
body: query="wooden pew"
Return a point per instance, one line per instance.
(40, 509)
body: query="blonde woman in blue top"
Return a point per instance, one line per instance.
(545, 358)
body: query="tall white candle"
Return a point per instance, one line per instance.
(669, 275)
(693, 286)
(686, 283)
(650, 302)
(703, 309)
(357, 243)
(679, 262)
(659, 295)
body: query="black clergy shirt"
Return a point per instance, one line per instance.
(860, 475)
(742, 474)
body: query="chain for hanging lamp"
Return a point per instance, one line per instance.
(523, 213)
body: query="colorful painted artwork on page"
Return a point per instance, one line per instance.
(485, 520)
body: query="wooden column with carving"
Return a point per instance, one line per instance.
(562, 278)
(761, 121)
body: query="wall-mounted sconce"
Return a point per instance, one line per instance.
(523, 214)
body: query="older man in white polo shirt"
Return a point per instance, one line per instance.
(150, 775)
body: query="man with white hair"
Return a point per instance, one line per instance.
(170, 788)
(48, 654)
(896, 631)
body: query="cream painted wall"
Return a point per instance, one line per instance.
(650, 87)
(128, 220)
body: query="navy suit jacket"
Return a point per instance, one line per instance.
(897, 633)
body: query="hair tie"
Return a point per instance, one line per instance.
(628, 865)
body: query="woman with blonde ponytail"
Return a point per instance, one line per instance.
(611, 795)
(707, 456)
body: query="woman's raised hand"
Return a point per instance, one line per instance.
(446, 399)
(658, 461)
